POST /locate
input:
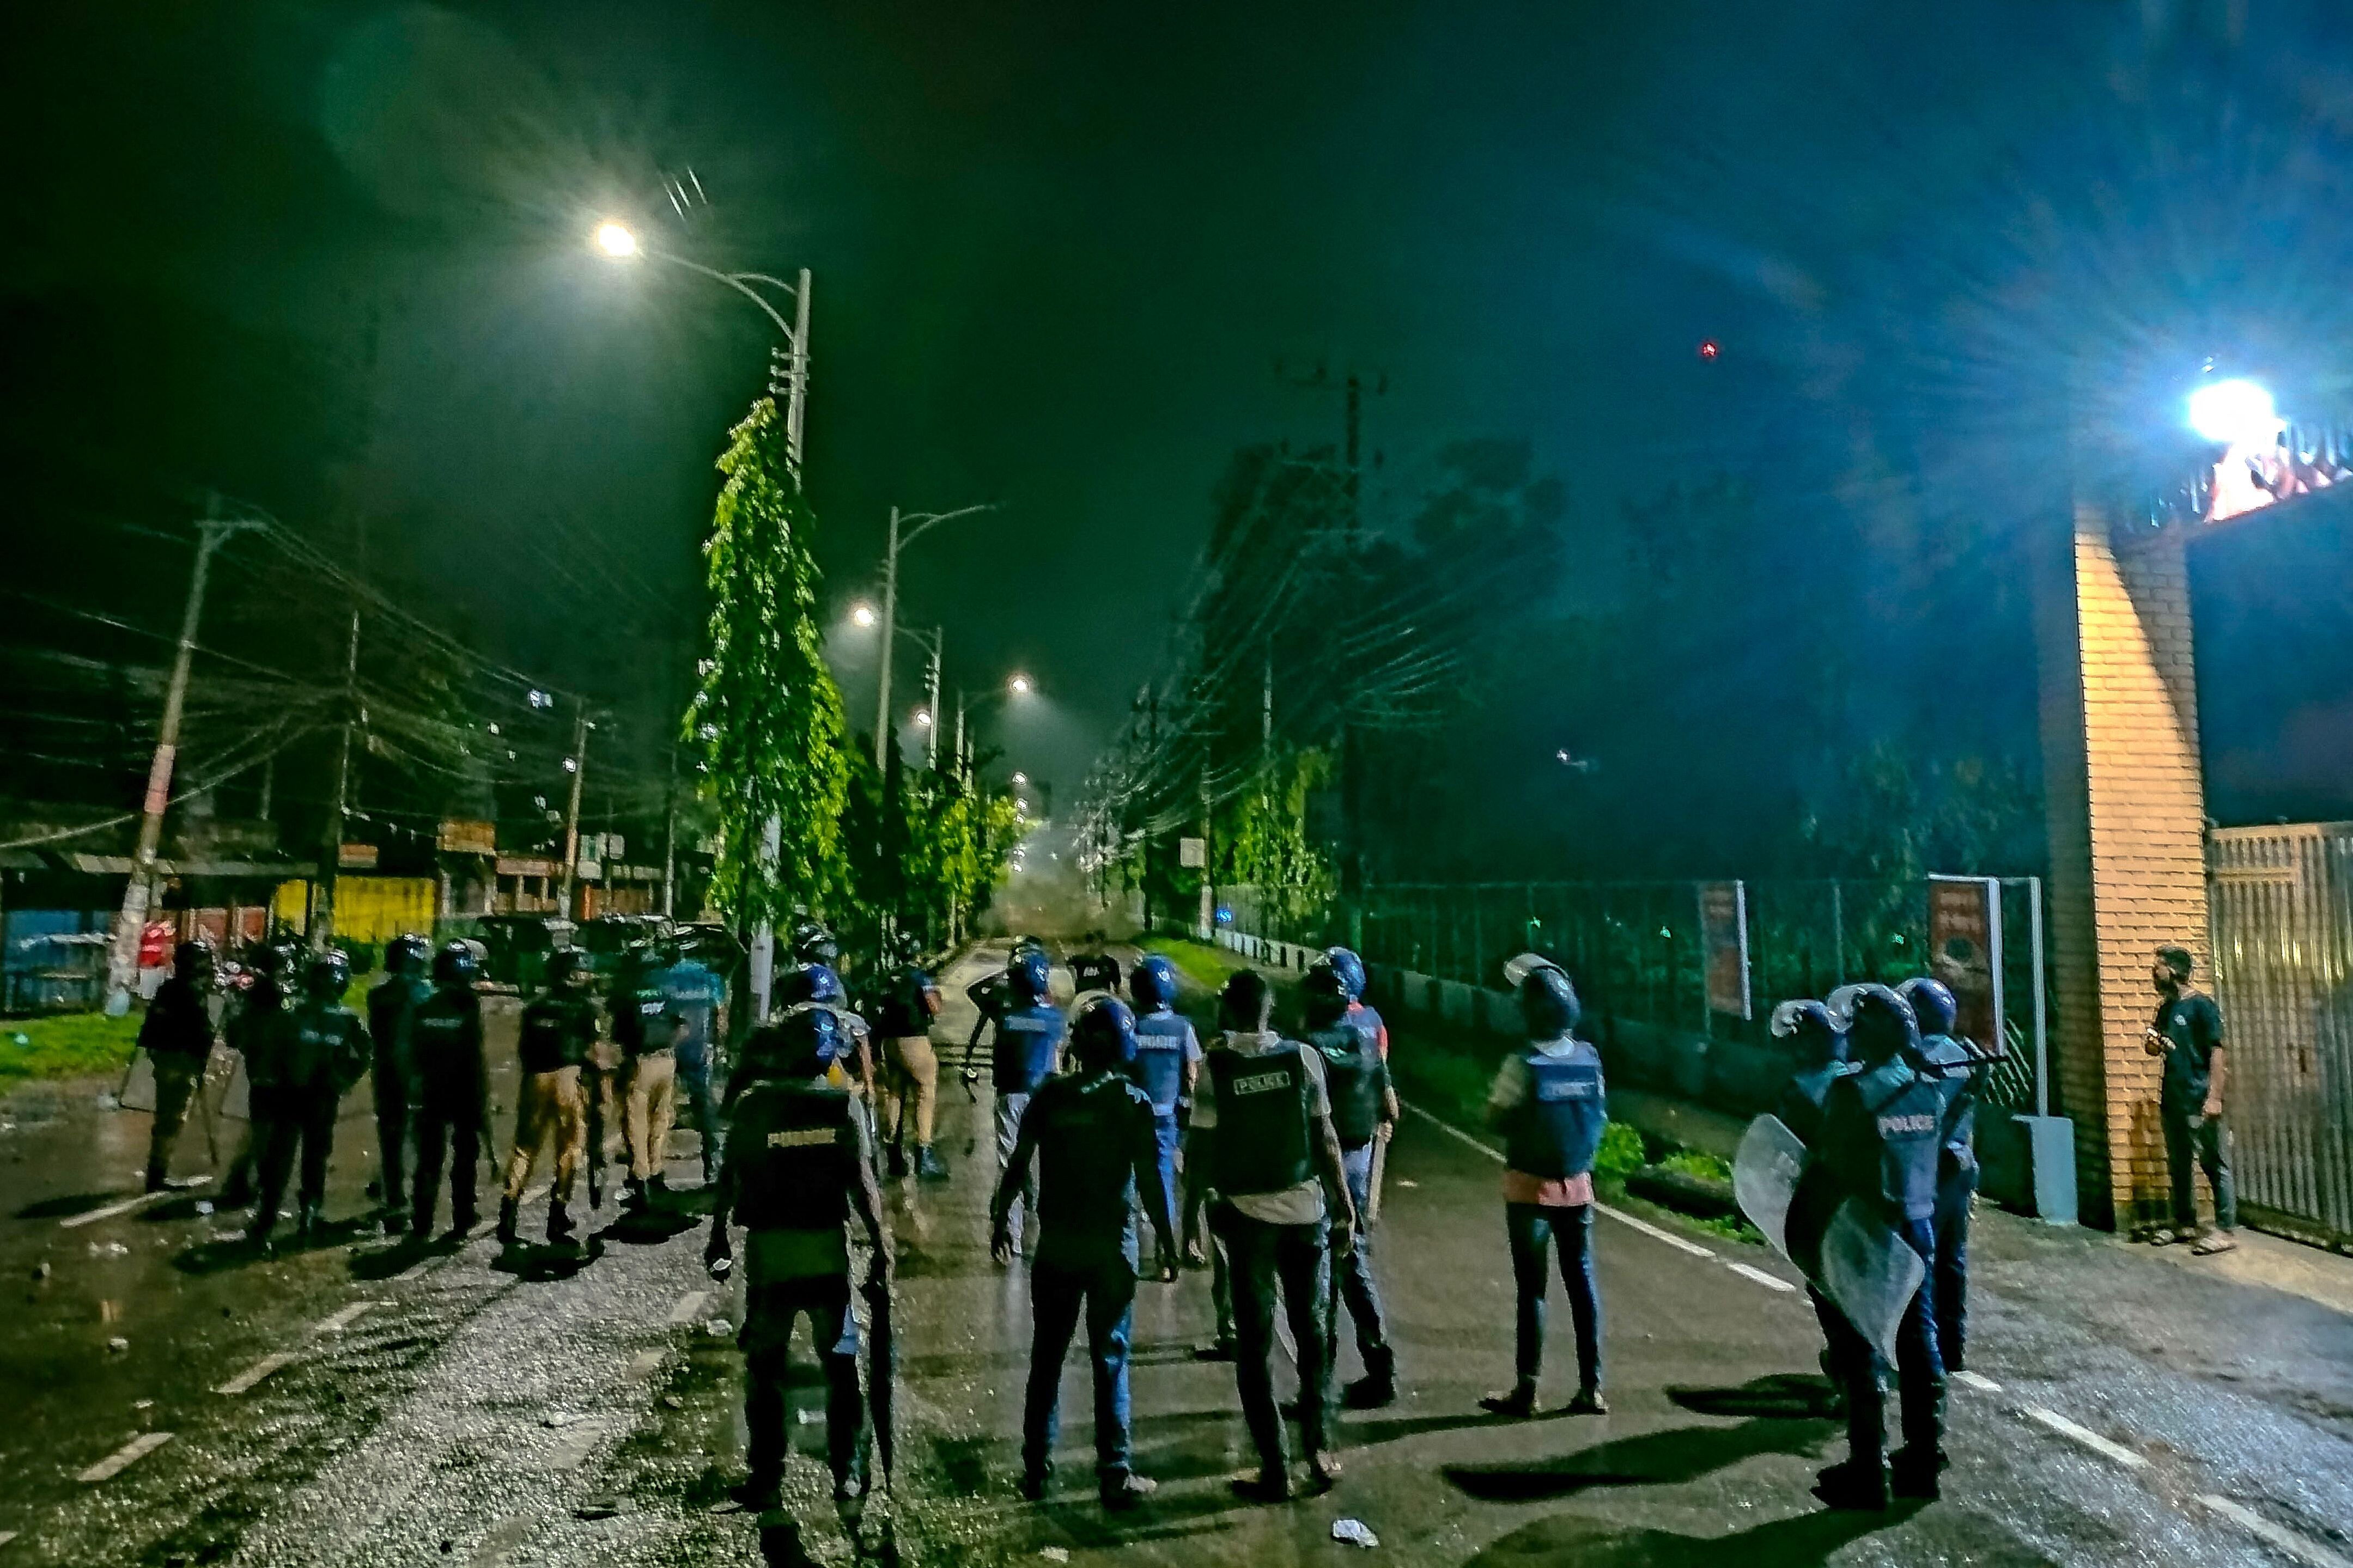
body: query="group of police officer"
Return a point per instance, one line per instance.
(301, 1049)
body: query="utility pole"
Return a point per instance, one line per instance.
(670, 840)
(889, 636)
(138, 892)
(580, 728)
(330, 853)
(932, 703)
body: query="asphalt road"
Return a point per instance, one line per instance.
(390, 1406)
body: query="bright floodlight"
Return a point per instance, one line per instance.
(615, 240)
(863, 614)
(2233, 412)
(1021, 778)
(1018, 686)
(923, 719)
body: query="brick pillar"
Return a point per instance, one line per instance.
(2126, 799)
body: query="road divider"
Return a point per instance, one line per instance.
(128, 1205)
(123, 1459)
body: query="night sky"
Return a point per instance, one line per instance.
(331, 260)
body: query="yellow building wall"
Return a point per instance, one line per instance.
(367, 908)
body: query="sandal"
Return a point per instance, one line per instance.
(2220, 1241)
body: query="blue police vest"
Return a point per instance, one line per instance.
(1801, 1106)
(1556, 1131)
(1163, 1041)
(1951, 1060)
(1027, 1040)
(1368, 1023)
(1890, 1136)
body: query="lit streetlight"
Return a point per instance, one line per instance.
(1019, 686)
(900, 534)
(2235, 412)
(616, 239)
(863, 614)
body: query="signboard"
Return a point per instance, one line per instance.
(591, 870)
(517, 865)
(356, 856)
(1724, 946)
(1964, 952)
(462, 837)
(1193, 854)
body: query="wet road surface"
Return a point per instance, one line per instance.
(370, 1403)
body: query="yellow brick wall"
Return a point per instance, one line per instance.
(2127, 804)
(367, 908)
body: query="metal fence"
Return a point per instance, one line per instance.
(2283, 922)
(1636, 953)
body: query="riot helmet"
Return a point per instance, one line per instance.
(1548, 1005)
(1933, 1005)
(567, 969)
(1029, 975)
(407, 953)
(193, 962)
(327, 976)
(1243, 1005)
(1153, 983)
(1102, 1036)
(456, 963)
(1880, 1025)
(809, 983)
(1350, 969)
(1818, 1039)
(1323, 993)
(812, 944)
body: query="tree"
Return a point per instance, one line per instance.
(766, 718)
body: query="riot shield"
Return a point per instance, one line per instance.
(1870, 1272)
(236, 1092)
(138, 1090)
(1765, 1177)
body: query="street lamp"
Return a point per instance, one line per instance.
(2234, 413)
(924, 522)
(863, 614)
(1019, 686)
(616, 239)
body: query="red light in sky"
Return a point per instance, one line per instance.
(1709, 348)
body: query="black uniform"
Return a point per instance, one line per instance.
(300, 1065)
(453, 1081)
(264, 1001)
(794, 1154)
(1357, 1081)
(177, 1034)
(392, 1008)
(1095, 972)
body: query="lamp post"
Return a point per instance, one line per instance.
(1017, 686)
(619, 242)
(931, 639)
(902, 535)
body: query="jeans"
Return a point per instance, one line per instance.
(1107, 1293)
(1951, 1271)
(450, 1128)
(1352, 1275)
(2205, 1142)
(288, 1115)
(769, 1313)
(694, 1086)
(1164, 1136)
(1007, 1116)
(1533, 1228)
(1294, 1258)
(1920, 1371)
(392, 1115)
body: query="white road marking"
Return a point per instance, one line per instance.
(72, 1221)
(125, 1457)
(417, 1270)
(2263, 1529)
(502, 1540)
(1655, 1233)
(1771, 1281)
(256, 1372)
(1454, 1132)
(644, 1362)
(343, 1320)
(688, 1306)
(579, 1440)
(2087, 1437)
(1978, 1381)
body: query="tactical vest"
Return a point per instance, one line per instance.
(1556, 1131)
(643, 1022)
(1890, 1149)
(1087, 1137)
(392, 1008)
(1352, 1077)
(1368, 1023)
(1027, 1040)
(1262, 1139)
(1958, 1082)
(1161, 1039)
(557, 1033)
(445, 1034)
(326, 1046)
(1800, 1107)
(792, 1153)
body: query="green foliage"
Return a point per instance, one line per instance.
(767, 718)
(1263, 843)
(73, 1045)
(921, 843)
(1622, 1153)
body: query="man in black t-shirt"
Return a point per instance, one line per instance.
(2187, 1033)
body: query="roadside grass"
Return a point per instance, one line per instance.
(69, 1044)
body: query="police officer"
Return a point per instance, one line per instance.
(648, 1033)
(270, 970)
(1818, 1043)
(902, 1017)
(1350, 970)
(990, 996)
(1167, 1054)
(1881, 1128)
(1282, 1199)
(795, 1167)
(1956, 1064)
(695, 999)
(177, 1035)
(453, 1089)
(1364, 1108)
(301, 1065)
(558, 1033)
(1091, 1132)
(1550, 1104)
(392, 1009)
(1028, 1052)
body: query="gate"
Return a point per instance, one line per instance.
(2283, 913)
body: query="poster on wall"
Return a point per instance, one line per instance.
(1724, 946)
(1964, 952)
